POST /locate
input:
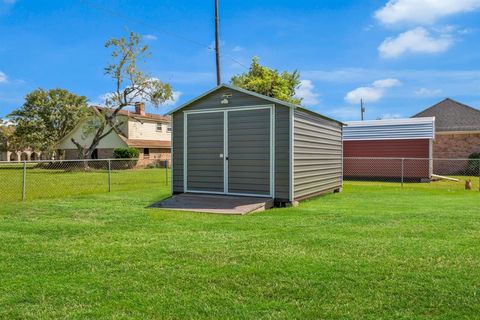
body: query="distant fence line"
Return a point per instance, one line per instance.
(22, 180)
(55, 178)
(409, 169)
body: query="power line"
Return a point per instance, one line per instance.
(98, 7)
(236, 61)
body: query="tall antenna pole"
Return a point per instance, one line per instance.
(362, 108)
(217, 45)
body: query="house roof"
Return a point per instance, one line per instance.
(390, 129)
(252, 93)
(146, 116)
(451, 115)
(142, 143)
(137, 143)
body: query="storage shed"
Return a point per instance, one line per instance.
(374, 148)
(232, 141)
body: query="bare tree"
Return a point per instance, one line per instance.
(131, 85)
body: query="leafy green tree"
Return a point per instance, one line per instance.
(6, 132)
(46, 117)
(131, 85)
(269, 82)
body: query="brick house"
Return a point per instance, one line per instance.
(149, 133)
(457, 133)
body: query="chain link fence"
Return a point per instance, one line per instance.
(27, 180)
(438, 172)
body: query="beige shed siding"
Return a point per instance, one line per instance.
(317, 155)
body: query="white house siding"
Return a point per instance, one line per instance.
(147, 130)
(111, 141)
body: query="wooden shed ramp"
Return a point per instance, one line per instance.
(215, 203)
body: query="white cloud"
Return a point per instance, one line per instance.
(417, 40)
(422, 11)
(371, 93)
(104, 97)
(367, 94)
(386, 83)
(345, 75)
(237, 49)
(355, 75)
(3, 77)
(101, 99)
(306, 91)
(5, 122)
(175, 96)
(150, 37)
(425, 92)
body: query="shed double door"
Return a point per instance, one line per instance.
(230, 152)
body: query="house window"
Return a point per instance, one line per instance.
(169, 128)
(159, 127)
(146, 153)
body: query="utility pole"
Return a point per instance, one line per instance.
(362, 109)
(217, 45)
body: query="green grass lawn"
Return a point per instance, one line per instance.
(373, 251)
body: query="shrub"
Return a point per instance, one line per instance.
(474, 164)
(126, 153)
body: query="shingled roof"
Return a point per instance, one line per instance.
(143, 143)
(133, 115)
(451, 115)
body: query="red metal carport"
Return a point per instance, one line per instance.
(375, 148)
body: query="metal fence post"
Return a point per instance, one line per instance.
(109, 175)
(403, 168)
(24, 184)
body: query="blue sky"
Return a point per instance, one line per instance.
(400, 56)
